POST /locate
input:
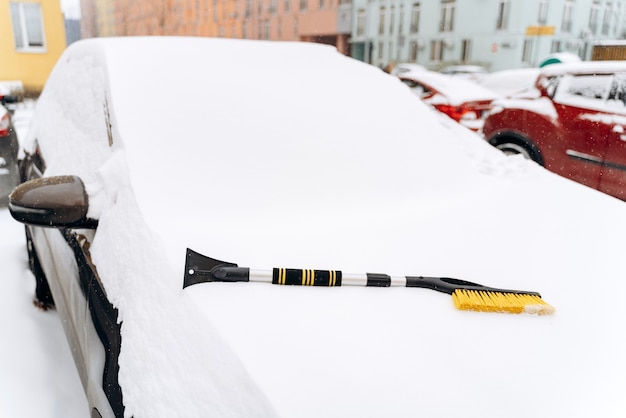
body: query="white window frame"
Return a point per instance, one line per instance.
(466, 50)
(415, 17)
(436, 50)
(568, 15)
(447, 15)
(360, 22)
(504, 7)
(606, 19)
(20, 28)
(594, 16)
(542, 16)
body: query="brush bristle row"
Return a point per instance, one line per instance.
(489, 301)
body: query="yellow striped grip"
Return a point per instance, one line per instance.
(299, 277)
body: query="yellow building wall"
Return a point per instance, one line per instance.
(31, 67)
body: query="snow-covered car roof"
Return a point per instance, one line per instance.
(514, 82)
(456, 90)
(584, 67)
(297, 164)
(405, 67)
(464, 69)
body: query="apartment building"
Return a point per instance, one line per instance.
(32, 37)
(497, 34)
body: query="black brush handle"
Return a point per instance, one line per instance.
(449, 285)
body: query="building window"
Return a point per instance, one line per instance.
(526, 50)
(503, 15)
(381, 20)
(415, 18)
(322, 4)
(28, 32)
(401, 19)
(392, 18)
(606, 19)
(436, 50)
(542, 17)
(244, 29)
(568, 8)
(381, 51)
(556, 46)
(466, 46)
(413, 48)
(447, 15)
(303, 5)
(266, 29)
(287, 6)
(360, 22)
(594, 15)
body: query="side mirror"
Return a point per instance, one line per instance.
(10, 99)
(51, 201)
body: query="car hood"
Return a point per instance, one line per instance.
(298, 164)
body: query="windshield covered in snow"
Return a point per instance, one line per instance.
(601, 92)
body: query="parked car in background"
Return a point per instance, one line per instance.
(469, 72)
(576, 127)
(11, 92)
(513, 83)
(462, 100)
(9, 148)
(406, 67)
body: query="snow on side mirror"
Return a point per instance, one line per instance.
(51, 201)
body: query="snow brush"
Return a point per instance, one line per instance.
(466, 296)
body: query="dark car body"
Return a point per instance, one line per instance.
(576, 127)
(9, 148)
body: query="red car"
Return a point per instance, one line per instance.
(460, 99)
(575, 127)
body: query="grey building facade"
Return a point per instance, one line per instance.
(497, 34)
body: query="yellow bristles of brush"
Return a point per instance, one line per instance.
(489, 301)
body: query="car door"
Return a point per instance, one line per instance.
(580, 102)
(88, 318)
(613, 177)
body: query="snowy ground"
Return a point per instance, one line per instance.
(37, 373)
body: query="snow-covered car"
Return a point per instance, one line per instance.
(406, 67)
(9, 148)
(462, 100)
(575, 126)
(513, 83)
(468, 72)
(11, 92)
(295, 174)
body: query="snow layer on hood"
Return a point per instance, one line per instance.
(222, 163)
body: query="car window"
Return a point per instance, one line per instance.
(586, 91)
(617, 95)
(419, 89)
